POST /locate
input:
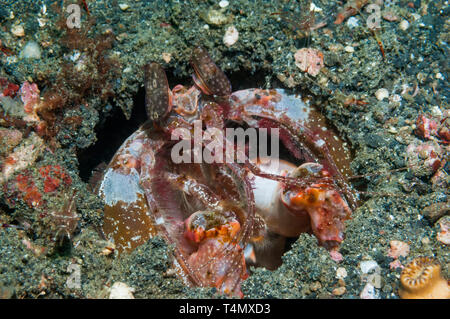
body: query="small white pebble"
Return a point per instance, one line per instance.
(314, 8)
(392, 130)
(395, 98)
(349, 49)
(416, 16)
(223, 4)
(341, 273)
(439, 76)
(382, 94)
(31, 50)
(436, 111)
(404, 25)
(231, 36)
(352, 22)
(42, 22)
(121, 290)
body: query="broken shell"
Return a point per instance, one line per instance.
(231, 36)
(349, 49)
(382, 94)
(223, 4)
(18, 30)
(404, 25)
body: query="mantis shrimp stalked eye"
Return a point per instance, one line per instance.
(208, 76)
(157, 93)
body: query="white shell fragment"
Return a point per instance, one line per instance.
(314, 8)
(349, 49)
(404, 25)
(223, 4)
(231, 36)
(368, 265)
(18, 30)
(124, 6)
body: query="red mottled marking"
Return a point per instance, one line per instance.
(6, 51)
(51, 184)
(28, 191)
(28, 107)
(444, 133)
(53, 176)
(3, 82)
(208, 76)
(425, 127)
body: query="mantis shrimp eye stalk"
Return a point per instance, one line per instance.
(208, 76)
(157, 93)
(324, 204)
